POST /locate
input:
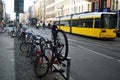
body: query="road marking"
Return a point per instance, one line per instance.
(95, 51)
(72, 40)
(119, 61)
(99, 53)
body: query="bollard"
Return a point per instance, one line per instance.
(68, 67)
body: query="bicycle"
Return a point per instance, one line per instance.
(60, 42)
(53, 51)
(41, 64)
(27, 38)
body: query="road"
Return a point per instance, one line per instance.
(92, 59)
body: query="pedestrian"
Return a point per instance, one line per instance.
(20, 25)
(37, 26)
(49, 25)
(43, 25)
(54, 28)
(2, 25)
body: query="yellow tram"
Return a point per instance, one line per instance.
(93, 24)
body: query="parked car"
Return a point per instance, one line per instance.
(11, 24)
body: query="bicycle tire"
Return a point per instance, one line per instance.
(62, 55)
(43, 67)
(24, 47)
(30, 50)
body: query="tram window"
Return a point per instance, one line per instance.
(89, 23)
(97, 23)
(86, 23)
(64, 23)
(108, 20)
(56, 22)
(83, 23)
(75, 23)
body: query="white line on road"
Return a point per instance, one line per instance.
(98, 53)
(95, 51)
(119, 61)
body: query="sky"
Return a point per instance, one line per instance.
(10, 6)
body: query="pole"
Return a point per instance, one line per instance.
(68, 68)
(44, 10)
(17, 19)
(118, 19)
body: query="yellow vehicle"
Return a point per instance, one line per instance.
(93, 24)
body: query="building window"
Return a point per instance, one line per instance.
(105, 4)
(113, 4)
(79, 8)
(82, 8)
(116, 4)
(96, 5)
(88, 7)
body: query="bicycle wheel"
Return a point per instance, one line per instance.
(24, 47)
(42, 43)
(61, 45)
(41, 66)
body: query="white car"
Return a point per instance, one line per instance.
(10, 28)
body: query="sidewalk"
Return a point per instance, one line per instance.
(7, 65)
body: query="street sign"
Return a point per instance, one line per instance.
(16, 5)
(19, 6)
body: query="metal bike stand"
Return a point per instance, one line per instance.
(68, 67)
(66, 76)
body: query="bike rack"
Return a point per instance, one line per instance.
(66, 75)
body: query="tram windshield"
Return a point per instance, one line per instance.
(108, 20)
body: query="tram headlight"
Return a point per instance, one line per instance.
(103, 31)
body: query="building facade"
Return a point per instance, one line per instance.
(50, 10)
(101, 5)
(115, 5)
(47, 10)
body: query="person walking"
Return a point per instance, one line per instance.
(43, 25)
(49, 25)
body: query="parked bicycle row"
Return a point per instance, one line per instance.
(45, 53)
